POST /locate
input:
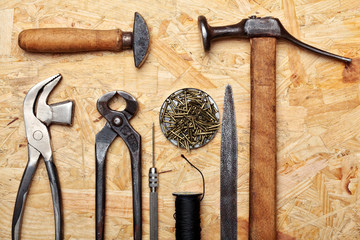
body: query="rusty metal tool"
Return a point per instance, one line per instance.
(228, 168)
(38, 115)
(262, 33)
(118, 125)
(69, 40)
(153, 184)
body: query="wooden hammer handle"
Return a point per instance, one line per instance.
(56, 40)
(262, 219)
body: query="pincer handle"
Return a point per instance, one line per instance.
(21, 198)
(24, 189)
(135, 156)
(100, 199)
(67, 40)
(56, 197)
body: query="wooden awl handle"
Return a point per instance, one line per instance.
(66, 40)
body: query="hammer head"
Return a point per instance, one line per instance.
(253, 27)
(140, 40)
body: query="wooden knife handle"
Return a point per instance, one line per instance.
(262, 219)
(66, 40)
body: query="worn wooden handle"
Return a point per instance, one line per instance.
(55, 40)
(262, 219)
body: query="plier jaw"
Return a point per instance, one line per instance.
(36, 124)
(38, 115)
(118, 125)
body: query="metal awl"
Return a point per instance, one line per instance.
(153, 184)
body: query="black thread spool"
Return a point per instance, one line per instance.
(187, 212)
(187, 216)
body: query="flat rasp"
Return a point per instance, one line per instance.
(228, 170)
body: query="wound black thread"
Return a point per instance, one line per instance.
(187, 216)
(202, 176)
(187, 212)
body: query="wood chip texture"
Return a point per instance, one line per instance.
(318, 112)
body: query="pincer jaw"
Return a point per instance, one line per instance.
(104, 109)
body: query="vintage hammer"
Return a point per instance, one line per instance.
(263, 33)
(68, 40)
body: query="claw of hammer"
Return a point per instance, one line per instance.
(256, 27)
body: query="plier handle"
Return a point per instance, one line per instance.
(118, 125)
(38, 137)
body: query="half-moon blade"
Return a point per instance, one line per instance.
(141, 40)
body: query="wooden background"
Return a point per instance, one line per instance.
(318, 115)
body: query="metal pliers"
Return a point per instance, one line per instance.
(118, 125)
(38, 137)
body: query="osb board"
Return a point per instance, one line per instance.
(317, 113)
